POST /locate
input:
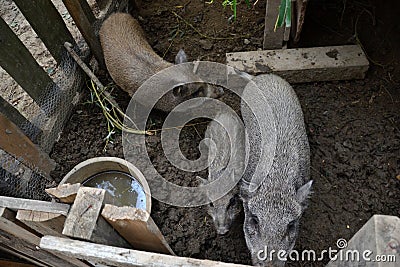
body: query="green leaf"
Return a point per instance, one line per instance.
(281, 16)
(288, 13)
(234, 8)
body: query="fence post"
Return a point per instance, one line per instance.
(48, 24)
(16, 117)
(272, 39)
(14, 142)
(84, 19)
(20, 64)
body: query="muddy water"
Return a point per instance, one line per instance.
(122, 189)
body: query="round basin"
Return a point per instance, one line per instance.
(124, 183)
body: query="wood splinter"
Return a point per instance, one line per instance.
(66, 193)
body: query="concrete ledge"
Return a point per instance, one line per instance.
(302, 65)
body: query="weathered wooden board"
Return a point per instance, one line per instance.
(84, 18)
(9, 263)
(66, 193)
(83, 220)
(17, 61)
(273, 39)
(137, 227)
(17, 144)
(121, 257)
(17, 118)
(26, 243)
(36, 205)
(45, 223)
(45, 30)
(15, 253)
(304, 64)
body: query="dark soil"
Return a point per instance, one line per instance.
(353, 126)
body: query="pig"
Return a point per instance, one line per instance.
(130, 61)
(274, 196)
(225, 209)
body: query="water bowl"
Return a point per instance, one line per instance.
(125, 185)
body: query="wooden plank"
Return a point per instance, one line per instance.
(272, 39)
(16, 60)
(83, 220)
(45, 30)
(88, 12)
(36, 205)
(83, 16)
(46, 223)
(15, 253)
(27, 243)
(121, 257)
(137, 227)
(66, 193)
(9, 263)
(304, 64)
(16, 143)
(17, 118)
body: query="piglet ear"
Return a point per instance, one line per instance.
(180, 57)
(304, 192)
(245, 193)
(202, 181)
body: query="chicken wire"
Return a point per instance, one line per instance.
(16, 179)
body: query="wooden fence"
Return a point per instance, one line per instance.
(15, 140)
(25, 142)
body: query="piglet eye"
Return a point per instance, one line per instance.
(232, 202)
(254, 221)
(291, 226)
(176, 91)
(252, 225)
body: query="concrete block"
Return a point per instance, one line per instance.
(302, 65)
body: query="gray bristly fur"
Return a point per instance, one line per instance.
(131, 61)
(224, 210)
(274, 209)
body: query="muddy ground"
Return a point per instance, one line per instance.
(353, 126)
